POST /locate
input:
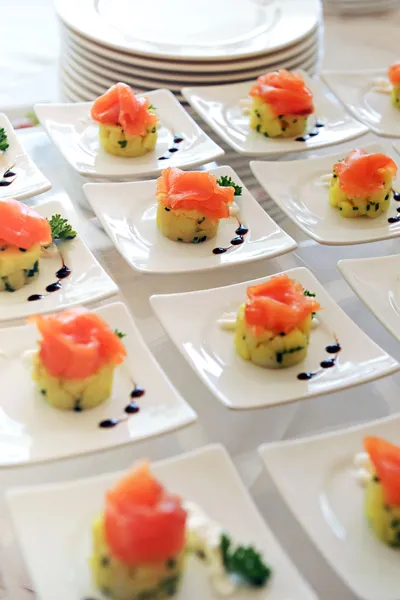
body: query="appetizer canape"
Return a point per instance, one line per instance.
(139, 540)
(281, 105)
(361, 184)
(273, 326)
(127, 123)
(382, 499)
(23, 232)
(77, 356)
(191, 204)
(394, 78)
(143, 537)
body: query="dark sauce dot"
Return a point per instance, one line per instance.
(305, 376)
(333, 348)
(172, 150)
(35, 297)
(313, 133)
(237, 241)
(163, 158)
(132, 408)
(241, 230)
(9, 173)
(398, 209)
(396, 196)
(328, 364)
(219, 250)
(178, 139)
(53, 287)
(394, 219)
(302, 138)
(137, 392)
(63, 272)
(319, 123)
(108, 423)
(5, 183)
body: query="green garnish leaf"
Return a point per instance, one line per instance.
(310, 295)
(226, 181)
(245, 562)
(123, 143)
(152, 107)
(3, 140)
(61, 229)
(119, 334)
(32, 117)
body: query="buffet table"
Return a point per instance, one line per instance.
(350, 44)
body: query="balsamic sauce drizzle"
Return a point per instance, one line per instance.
(61, 274)
(6, 176)
(241, 231)
(177, 140)
(130, 409)
(396, 198)
(325, 364)
(312, 133)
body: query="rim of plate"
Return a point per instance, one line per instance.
(144, 62)
(81, 16)
(91, 73)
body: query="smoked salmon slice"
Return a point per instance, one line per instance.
(361, 174)
(194, 190)
(142, 521)
(119, 106)
(278, 304)
(386, 460)
(394, 74)
(76, 343)
(22, 226)
(285, 92)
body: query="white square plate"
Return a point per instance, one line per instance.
(53, 526)
(297, 189)
(190, 319)
(28, 180)
(76, 136)
(88, 280)
(33, 431)
(377, 282)
(219, 106)
(317, 481)
(355, 89)
(128, 214)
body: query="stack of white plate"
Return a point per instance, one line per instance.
(175, 43)
(360, 7)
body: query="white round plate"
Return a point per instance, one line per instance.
(252, 28)
(100, 53)
(106, 78)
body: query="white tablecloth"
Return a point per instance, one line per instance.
(29, 74)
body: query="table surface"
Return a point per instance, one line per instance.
(350, 43)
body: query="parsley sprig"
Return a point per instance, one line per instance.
(3, 140)
(152, 107)
(226, 181)
(119, 334)
(245, 562)
(61, 229)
